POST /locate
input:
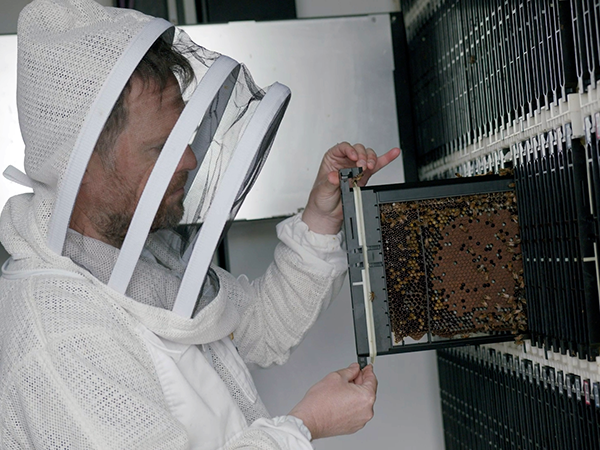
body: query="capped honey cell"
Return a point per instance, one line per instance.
(453, 266)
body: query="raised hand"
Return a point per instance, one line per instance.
(323, 212)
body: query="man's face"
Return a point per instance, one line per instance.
(113, 190)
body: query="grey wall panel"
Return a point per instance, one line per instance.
(340, 72)
(3, 255)
(324, 8)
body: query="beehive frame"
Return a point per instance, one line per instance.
(444, 263)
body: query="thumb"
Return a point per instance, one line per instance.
(330, 183)
(333, 179)
(326, 186)
(350, 372)
(369, 378)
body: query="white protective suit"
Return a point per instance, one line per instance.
(85, 367)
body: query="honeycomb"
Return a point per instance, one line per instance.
(453, 266)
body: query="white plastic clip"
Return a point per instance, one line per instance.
(366, 280)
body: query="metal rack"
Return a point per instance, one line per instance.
(543, 404)
(485, 72)
(558, 243)
(513, 83)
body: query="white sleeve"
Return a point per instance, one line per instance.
(283, 432)
(306, 274)
(323, 251)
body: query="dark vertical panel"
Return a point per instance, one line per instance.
(222, 11)
(403, 97)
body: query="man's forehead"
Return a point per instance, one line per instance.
(148, 91)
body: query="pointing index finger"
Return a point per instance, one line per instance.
(386, 158)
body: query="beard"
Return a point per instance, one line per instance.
(169, 215)
(113, 223)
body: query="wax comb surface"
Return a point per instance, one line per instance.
(453, 265)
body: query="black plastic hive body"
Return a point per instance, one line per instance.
(540, 407)
(515, 83)
(483, 74)
(445, 263)
(555, 177)
(478, 67)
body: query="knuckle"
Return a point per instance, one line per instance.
(370, 399)
(334, 376)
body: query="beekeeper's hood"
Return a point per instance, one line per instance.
(74, 60)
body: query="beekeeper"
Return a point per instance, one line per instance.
(115, 330)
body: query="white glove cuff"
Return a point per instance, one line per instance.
(288, 431)
(319, 250)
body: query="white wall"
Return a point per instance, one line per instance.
(340, 72)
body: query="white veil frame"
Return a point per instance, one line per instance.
(213, 81)
(264, 118)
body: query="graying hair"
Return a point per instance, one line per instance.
(161, 62)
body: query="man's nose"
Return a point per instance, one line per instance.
(188, 160)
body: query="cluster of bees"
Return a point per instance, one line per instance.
(453, 266)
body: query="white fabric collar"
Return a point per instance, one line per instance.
(153, 289)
